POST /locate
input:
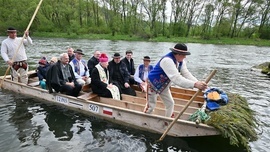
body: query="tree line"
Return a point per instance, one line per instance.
(145, 18)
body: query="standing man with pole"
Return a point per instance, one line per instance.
(16, 60)
(27, 29)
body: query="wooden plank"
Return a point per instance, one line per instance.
(175, 95)
(34, 84)
(137, 107)
(159, 104)
(185, 91)
(187, 97)
(32, 74)
(88, 96)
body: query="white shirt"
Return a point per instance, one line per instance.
(82, 70)
(145, 75)
(185, 79)
(10, 46)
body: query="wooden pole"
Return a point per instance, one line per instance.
(186, 106)
(27, 29)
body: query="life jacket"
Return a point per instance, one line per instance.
(77, 66)
(158, 78)
(215, 98)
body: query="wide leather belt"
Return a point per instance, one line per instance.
(20, 64)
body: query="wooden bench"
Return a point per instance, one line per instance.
(88, 96)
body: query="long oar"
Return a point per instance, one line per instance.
(186, 106)
(27, 29)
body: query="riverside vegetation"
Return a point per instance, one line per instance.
(196, 21)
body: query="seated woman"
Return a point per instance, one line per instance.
(42, 71)
(142, 71)
(100, 80)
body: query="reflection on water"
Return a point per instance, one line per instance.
(60, 124)
(29, 125)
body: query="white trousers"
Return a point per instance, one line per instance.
(82, 82)
(20, 75)
(166, 97)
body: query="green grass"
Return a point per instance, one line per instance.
(221, 41)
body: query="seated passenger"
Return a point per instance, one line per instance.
(142, 71)
(119, 75)
(100, 80)
(80, 68)
(42, 71)
(53, 60)
(128, 60)
(61, 78)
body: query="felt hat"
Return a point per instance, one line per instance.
(146, 58)
(103, 57)
(79, 51)
(11, 30)
(181, 49)
(116, 55)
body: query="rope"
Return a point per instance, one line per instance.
(199, 114)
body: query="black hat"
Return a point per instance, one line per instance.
(79, 51)
(146, 58)
(180, 49)
(11, 29)
(116, 55)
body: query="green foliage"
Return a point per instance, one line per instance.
(123, 17)
(266, 70)
(235, 121)
(265, 32)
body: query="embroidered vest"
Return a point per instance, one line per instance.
(158, 78)
(141, 70)
(77, 66)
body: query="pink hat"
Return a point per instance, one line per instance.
(103, 58)
(42, 61)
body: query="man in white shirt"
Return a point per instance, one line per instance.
(15, 56)
(80, 68)
(171, 68)
(141, 73)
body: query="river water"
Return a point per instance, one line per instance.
(27, 124)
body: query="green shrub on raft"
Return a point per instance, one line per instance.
(235, 121)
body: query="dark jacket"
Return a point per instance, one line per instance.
(71, 57)
(55, 76)
(91, 64)
(98, 86)
(123, 71)
(130, 65)
(42, 71)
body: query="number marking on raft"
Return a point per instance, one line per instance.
(93, 108)
(62, 100)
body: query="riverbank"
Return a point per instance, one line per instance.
(220, 41)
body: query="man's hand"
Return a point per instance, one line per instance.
(200, 85)
(84, 78)
(70, 84)
(26, 33)
(126, 85)
(10, 62)
(143, 86)
(110, 85)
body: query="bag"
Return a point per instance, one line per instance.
(214, 98)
